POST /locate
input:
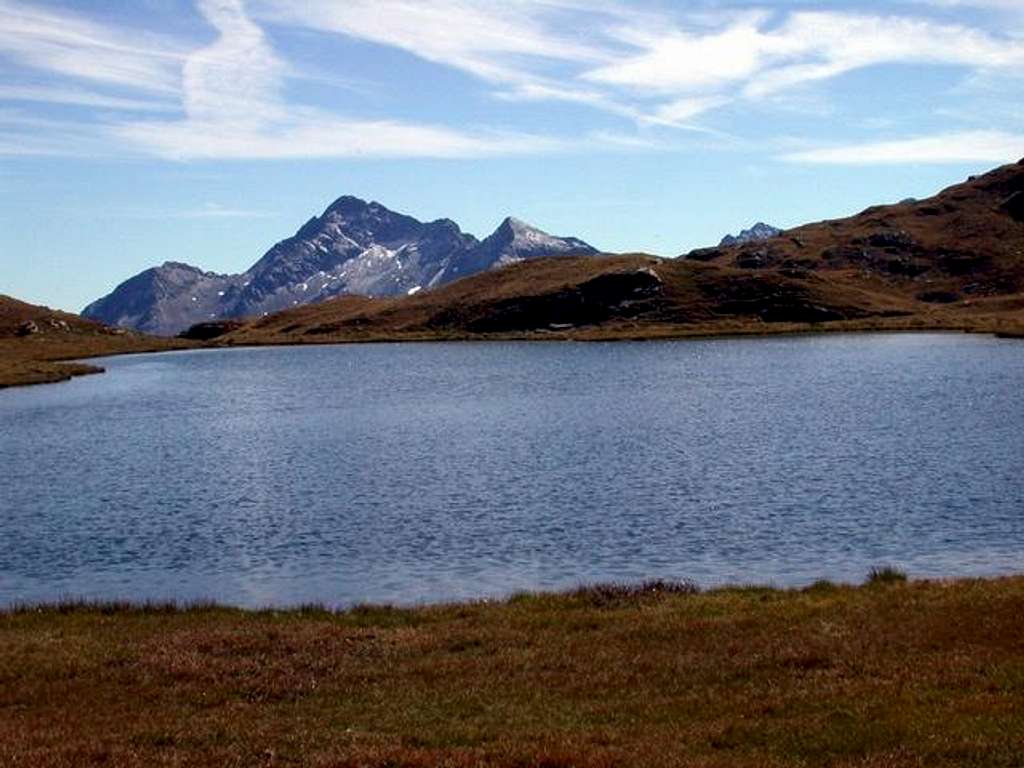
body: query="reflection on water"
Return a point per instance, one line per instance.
(442, 471)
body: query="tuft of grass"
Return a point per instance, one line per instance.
(79, 605)
(381, 615)
(886, 574)
(821, 586)
(613, 594)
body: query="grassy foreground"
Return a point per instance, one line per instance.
(888, 674)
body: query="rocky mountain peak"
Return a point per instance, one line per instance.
(760, 231)
(514, 239)
(347, 205)
(354, 246)
(516, 225)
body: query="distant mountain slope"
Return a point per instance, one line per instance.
(759, 231)
(354, 247)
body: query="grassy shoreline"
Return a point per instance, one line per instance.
(24, 365)
(891, 673)
(28, 362)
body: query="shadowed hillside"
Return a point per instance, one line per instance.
(614, 296)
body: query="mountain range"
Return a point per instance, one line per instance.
(354, 247)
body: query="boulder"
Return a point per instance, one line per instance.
(898, 239)
(27, 328)
(1014, 206)
(210, 330)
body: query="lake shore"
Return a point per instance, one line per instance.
(31, 361)
(891, 673)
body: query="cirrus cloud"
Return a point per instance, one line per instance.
(958, 147)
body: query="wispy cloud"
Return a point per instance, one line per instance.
(24, 134)
(513, 46)
(234, 110)
(77, 96)
(491, 40)
(1002, 5)
(966, 146)
(754, 57)
(72, 45)
(209, 210)
(314, 135)
(653, 67)
(647, 68)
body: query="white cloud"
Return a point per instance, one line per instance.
(829, 44)
(677, 61)
(667, 67)
(485, 38)
(71, 45)
(316, 135)
(966, 146)
(234, 110)
(238, 77)
(58, 95)
(999, 5)
(680, 112)
(676, 114)
(23, 133)
(761, 59)
(209, 210)
(230, 91)
(511, 44)
(655, 68)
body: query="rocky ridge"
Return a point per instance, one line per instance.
(354, 247)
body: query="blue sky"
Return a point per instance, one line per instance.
(205, 130)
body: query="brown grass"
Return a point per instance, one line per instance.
(41, 358)
(696, 300)
(896, 674)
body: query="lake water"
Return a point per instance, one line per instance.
(416, 472)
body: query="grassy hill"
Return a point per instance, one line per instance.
(36, 341)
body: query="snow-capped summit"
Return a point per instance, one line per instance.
(354, 246)
(520, 241)
(515, 240)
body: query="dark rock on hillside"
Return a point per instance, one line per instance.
(1014, 206)
(211, 330)
(704, 254)
(621, 295)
